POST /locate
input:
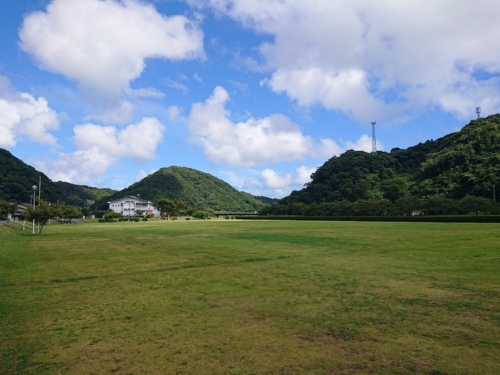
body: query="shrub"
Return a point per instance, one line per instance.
(136, 219)
(423, 218)
(226, 217)
(101, 221)
(123, 219)
(174, 218)
(188, 218)
(145, 219)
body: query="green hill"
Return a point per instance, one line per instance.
(17, 178)
(197, 189)
(80, 195)
(465, 163)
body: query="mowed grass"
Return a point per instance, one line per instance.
(251, 297)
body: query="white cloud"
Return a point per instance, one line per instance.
(174, 112)
(78, 167)
(101, 147)
(176, 85)
(24, 117)
(136, 141)
(103, 44)
(113, 113)
(146, 92)
(272, 180)
(142, 174)
(254, 142)
(384, 60)
(277, 185)
(363, 143)
(240, 86)
(197, 77)
(304, 174)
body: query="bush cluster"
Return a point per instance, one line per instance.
(430, 218)
(405, 206)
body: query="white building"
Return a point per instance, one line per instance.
(129, 206)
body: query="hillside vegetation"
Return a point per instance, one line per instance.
(430, 176)
(80, 194)
(197, 189)
(17, 178)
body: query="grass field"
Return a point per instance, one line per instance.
(251, 297)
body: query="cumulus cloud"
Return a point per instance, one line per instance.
(272, 180)
(22, 116)
(101, 147)
(384, 61)
(142, 174)
(78, 167)
(103, 44)
(276, 185)
(254, 142)
(363, 143)
(136, 141)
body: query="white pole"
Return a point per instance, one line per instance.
(34, 205)
(24, 224)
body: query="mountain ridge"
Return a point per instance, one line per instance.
(457, 165)
(197, 189)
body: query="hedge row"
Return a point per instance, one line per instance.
(427, 219)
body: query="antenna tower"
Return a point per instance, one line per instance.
(478, 111)
(374, 140)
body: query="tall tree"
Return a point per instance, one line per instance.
(42, 213)
(179, 205)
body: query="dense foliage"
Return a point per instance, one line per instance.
(6, 208)
(82, 195)
(454, 174)
(17, 178)
(197, 189)
(44, 211)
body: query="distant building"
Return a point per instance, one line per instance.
(128, 206)
(18, 214)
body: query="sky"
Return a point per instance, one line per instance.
(259, 93)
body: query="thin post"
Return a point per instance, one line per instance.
(494, 196)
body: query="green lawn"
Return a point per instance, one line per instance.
(251, 297)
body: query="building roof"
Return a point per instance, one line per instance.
(130, 197)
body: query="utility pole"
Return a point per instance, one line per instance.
(478, 111)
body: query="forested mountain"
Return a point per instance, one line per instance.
(461, 164)
(81, 195)
(17, 178)
(197, 189)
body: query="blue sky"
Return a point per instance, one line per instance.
(256, 92)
